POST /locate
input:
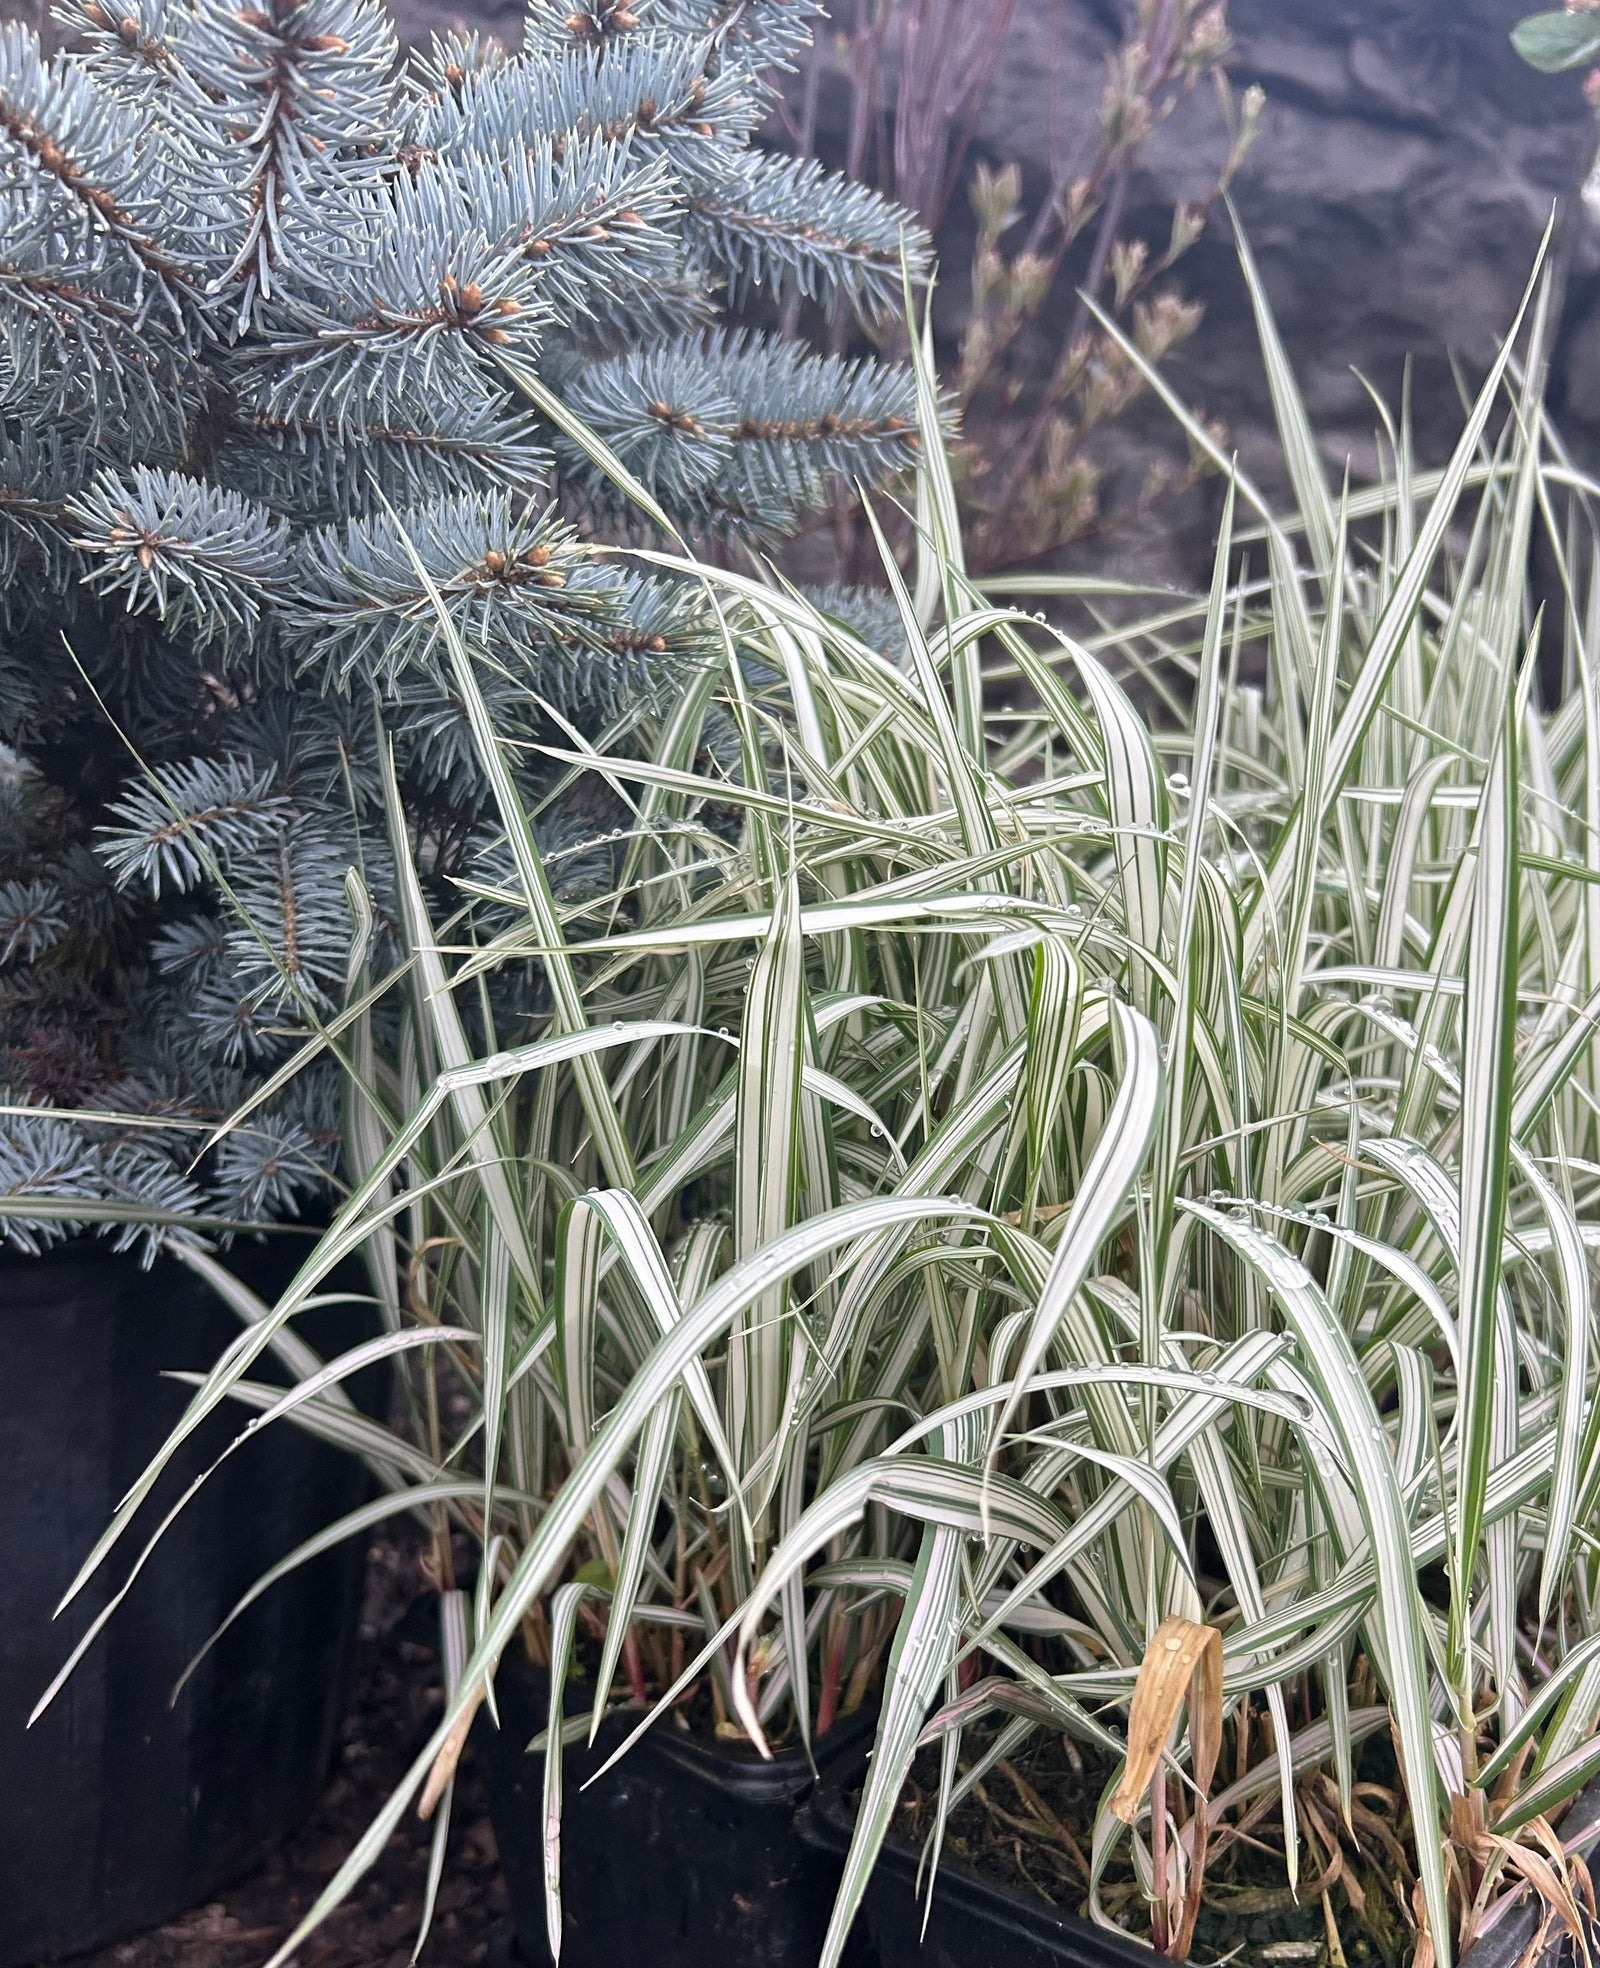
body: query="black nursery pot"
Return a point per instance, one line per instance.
(118, 1810)
(974, 1922)
(685, 1855)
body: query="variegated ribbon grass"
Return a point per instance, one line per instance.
(976, 1151)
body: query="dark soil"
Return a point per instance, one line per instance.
(1027, 1828)
(395, 1700)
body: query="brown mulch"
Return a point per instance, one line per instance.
(395, 1699)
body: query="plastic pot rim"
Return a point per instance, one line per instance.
(827, 1821)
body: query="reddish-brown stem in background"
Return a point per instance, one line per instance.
(832, 1677)
(1159, 81)
(634, 1668)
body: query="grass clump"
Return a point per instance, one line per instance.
(992, 1186)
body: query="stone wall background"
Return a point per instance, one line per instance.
(1406, 167)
